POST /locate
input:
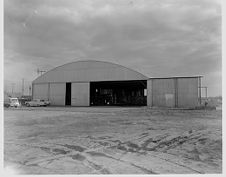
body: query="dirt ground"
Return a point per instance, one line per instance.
(103, 140)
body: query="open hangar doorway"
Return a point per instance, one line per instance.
(118, 93)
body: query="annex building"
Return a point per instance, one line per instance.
(98, 83)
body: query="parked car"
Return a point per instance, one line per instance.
(37, 102)
(23, 99)
(13, 102)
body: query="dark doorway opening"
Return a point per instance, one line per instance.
(118, 93)
(68, 94)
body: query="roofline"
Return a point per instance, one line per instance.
(89, 81)
(174, 77)
(89, 61)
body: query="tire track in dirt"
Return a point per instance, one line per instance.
(159, 144)
(146, 171)
(94, 166)
(167, 160)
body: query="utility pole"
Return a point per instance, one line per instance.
(200, 91)
(206, 91)
(13, 84)
(40, 71)
(206, 88)
(22, 86)
(29, 90)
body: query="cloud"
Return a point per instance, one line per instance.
(157, 38)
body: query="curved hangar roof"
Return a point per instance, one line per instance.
(86, 71)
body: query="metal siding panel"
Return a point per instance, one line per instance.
(57, 94)
(187, 92)
(163, 92)
(149, 92)
(40, 91)
(80, 94)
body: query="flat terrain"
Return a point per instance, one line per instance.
(103, 140)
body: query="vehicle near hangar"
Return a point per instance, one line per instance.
(37, 103)
(11, 102)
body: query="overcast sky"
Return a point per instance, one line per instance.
(155, 37)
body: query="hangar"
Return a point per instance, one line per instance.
(98, 83)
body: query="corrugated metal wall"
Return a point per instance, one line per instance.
(187, 92)
(163, 92)
(172, 92)
(80, 94)
(40, 91)
(149, 93)
(57, 94)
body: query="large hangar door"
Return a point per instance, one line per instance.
(40, 91)
(118, 93)
(57, 94)
(80, 94)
